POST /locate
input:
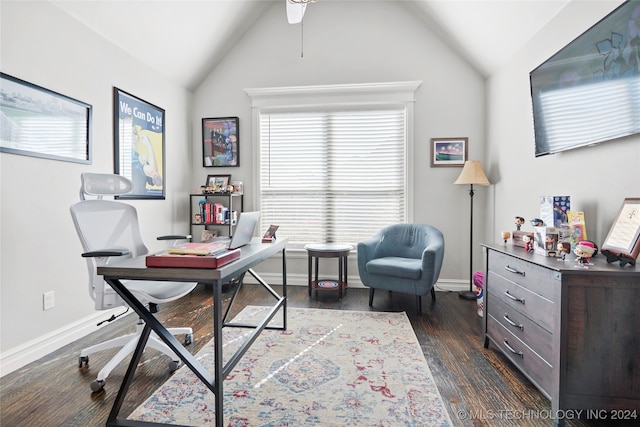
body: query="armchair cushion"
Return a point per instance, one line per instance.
(407, 268)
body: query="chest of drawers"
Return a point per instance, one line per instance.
(574, 332)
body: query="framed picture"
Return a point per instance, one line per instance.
(220, 142)
(38, 122)
(138, 133)
(624, 237)
(218, 181)
(449, 152)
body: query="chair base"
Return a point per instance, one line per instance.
(128, 344)
(418, 299)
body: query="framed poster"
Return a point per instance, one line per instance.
(220, 142)
(623, 240)
(449, 152)
(38, 122)
(138, 133)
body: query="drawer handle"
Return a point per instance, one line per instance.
(512, 323)
(513, 270)
(520, 300)
(512, 350)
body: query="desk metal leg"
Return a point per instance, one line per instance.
(217, 346)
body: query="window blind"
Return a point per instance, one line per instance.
(333, 176)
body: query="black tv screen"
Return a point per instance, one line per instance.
(589, 92)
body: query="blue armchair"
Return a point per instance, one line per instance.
(403, 258)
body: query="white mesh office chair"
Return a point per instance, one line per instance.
(109, 232)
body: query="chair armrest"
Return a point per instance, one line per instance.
(432, 258)
(106, 253)
(175, 237)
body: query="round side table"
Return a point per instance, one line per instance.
(328, 250)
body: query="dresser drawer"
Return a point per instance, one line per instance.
(533, 366)
(528, 275)
(534, 306)
(534, 336)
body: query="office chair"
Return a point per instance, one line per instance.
(109, 232)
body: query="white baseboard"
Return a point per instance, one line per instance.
(17, 357)
(445, 285)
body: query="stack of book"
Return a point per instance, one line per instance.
(194, 255)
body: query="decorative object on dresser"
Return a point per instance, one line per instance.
(573, 332)
(623, 241)
(472, 173)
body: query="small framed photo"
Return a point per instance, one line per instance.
(449, 152)
(218, 181)
(220, 142)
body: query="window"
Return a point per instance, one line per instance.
(333, 172)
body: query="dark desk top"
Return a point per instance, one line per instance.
(570, 266)
(252, 254)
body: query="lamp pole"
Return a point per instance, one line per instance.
(470, 294)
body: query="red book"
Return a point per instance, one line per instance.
(193, 261)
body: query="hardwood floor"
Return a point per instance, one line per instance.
(479, 386)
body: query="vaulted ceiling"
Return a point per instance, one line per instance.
(167, 34)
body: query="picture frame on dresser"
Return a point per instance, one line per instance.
(623, 239)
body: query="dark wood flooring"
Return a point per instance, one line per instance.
(479, 386)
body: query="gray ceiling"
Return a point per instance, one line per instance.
(200, 32)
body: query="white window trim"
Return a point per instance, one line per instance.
(336, 95)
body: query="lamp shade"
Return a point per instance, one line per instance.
(472, 173)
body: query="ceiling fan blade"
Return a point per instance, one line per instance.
(295, 11)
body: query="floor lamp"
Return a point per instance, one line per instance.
(471, 174)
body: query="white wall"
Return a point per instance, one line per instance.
(348, 42)
(597, 178)
(39, 248)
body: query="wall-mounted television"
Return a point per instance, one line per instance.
(589, 91)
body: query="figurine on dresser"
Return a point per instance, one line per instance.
(584, 251)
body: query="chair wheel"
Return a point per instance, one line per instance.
(83, 361)
(188, 339)
(174, 365)
(97, 385)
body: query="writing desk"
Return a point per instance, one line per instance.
(135, 269)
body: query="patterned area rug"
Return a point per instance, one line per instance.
(330, 368)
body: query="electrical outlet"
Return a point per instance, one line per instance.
(48, 300)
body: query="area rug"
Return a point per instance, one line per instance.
(329, 368)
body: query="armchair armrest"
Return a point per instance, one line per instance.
(106, 253)
(432, 257)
